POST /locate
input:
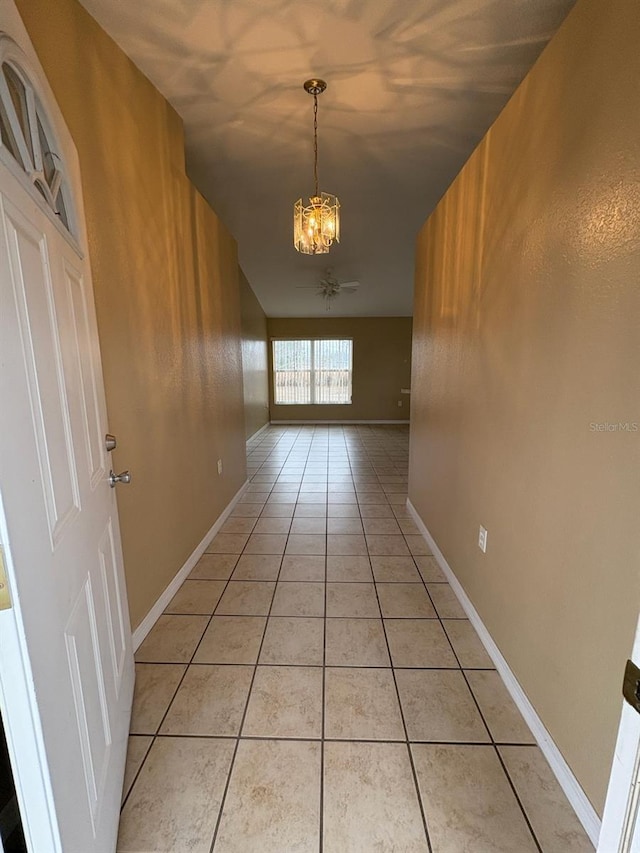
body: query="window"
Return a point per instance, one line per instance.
(316, 372)
(25, 134)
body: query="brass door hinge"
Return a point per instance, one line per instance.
(631, 685)
(5, 597)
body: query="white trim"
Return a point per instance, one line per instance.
(258, 432)
(343, 421)
(585, 812)
(619, 819)
(620, 830)
(22, 727)
(158, 608)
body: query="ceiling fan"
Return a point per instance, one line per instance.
(329, 287)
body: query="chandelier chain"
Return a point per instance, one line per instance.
(315, 141)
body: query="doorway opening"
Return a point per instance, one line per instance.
(11, 833)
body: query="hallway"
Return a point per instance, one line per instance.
(315, 685)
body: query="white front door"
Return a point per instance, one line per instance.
(620, 832)
(59, 528)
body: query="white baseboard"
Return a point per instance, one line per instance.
(258, 432)
(158, 608)
(579, 801)
(346, 422)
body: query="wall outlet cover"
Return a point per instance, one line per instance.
(482, 539)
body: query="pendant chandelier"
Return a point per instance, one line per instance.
(316, 224)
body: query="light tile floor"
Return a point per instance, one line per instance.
(314, 685)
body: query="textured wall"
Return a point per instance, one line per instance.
(254, 360)
(381, 366)
(165, 276)
(526, 335)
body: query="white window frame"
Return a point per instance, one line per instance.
(312, 372)
(26, 161)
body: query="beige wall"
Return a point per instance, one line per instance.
(381, 366)
(254, 359)
(526, 333)
(165, 275)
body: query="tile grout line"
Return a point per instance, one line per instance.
(186, 664)
(318, 665)
(248, 699)
(404, 726)
(324, 675)
(413, 771)
(138, 771)
(246, 707)
(211, 616)
(401, 709)
(242, 721)
(469, 743)
(517, 796)
(482, 717)
(324, 450)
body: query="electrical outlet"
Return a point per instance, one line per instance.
(219, 466)
(482, 539)
(399, 404)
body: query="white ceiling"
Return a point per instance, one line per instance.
(412, 87)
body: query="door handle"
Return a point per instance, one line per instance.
(114, 479)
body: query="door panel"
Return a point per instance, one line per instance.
(29, 263)
(79, 322)
(87, 682)
(114, 620)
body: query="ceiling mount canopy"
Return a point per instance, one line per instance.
(315, 87)
(316, 224)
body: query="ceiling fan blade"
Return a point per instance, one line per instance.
(326, 285)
